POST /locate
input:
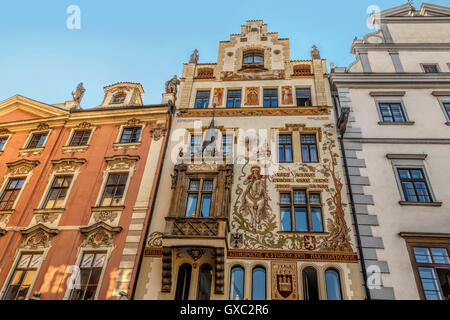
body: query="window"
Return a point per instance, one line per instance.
(199, 189)
(447, 109)
(433, 269)
(253, 58)
(259, 283)
(303, 97)
(309, 148)
(202, 99)
(90, 271)
(430, 68)
(10, 193)
(284, 148)
(196, 145)
(130, 135)
(227, 145)
(37, 140)
(114, 189)
(118, 98)
(3, 141)
(234, 99)
(237, 283)
(392, 112)
(57, 192)
(23, 276)
(80, 138)
(204, 282)
(270, 98)
(414, 185)
(303, 214)
(183, 282)
(333, 285)
(310, 286)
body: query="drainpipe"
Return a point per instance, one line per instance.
(342, 126)
(171, 113)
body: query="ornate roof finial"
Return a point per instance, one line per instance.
(194, 57)
(79, 93)
(315, 53)
(171, 85)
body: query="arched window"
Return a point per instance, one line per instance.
(183, 282)
(237, 283)
(259, 283)
(310, 286)
(118, 98)
(204, 282)
(253, 57)
(333, 285)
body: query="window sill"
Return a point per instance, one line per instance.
(447, 123)
(7, 211)
(131, 145)
(27, 151)
(75, 148)
(108, 208)
(48, 211)
(405, 123)
(420, 204)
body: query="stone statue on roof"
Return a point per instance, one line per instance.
(315, 53)
(171, 85)
(194, 57)
(79, 93)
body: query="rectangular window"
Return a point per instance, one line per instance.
(414, 185)
(227, 145)
(11, 193)
(391, 112)
(91, 267)
(80, 138)
(37, 140)
(234, 99)
(433, 269)
(199, 189)
(270, 98)
(3, 141)
(23, 276)
(202, 99)
(130, 135)
(303, 97)
(430, 68)
(114, 189)
(57, 192)
(284, 148)
(303, 214)
(447, 109)
(309, 148)
(196, 145)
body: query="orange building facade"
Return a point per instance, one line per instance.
(73, 205)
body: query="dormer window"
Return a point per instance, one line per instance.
(118, 98)
(253, 58)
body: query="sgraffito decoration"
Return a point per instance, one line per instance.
(284, 281)
(286, 95)
(256, 223)
(218, 96)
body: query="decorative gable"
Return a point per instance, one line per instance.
(122, 94)
(38, 236)
(99, 235)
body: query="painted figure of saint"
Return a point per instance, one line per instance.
(255, 200)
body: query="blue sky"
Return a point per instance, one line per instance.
(148, 41)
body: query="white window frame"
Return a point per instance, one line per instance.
(442, 100)
(390, 99)
(30, 136)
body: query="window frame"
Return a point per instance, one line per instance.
(392, 100)
(134, 129)
(72, 137)
(424, 67)
(237, 266)
(200, 192)
(284, 148)
(445, 100)
(341, 291)
(197, 98)
(411, 180)
(253, 54)
(234, 98)
(114, 96)
(254, 268)
(32, 135)
(307, 205)
(5, 189)
(105, 186)
(49, 191)
(270, 96)
(7, 137)
(297, 96)
(309, 148)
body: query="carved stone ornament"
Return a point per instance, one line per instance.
(122, 162)
(220, 270)
(158, 131)
(237, 240)
(105, 216)
(134, 122)
(68, 165)
(38, 236)
(315, 53)
(171, 85)
(43, 126)
(194, 57)
(84, 125)
(202, 166)
(4, 131)
(99, 235)
(23, 166)
(79, 93)
(47, 217)
(196, 253)
(155, 239)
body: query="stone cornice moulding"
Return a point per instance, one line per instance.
(100, 225)
(39, 226)
(398, 140)
(424, 235)
(407, 156)
(441, 93)
(387, 93)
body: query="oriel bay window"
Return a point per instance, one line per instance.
(91, 267)
(114, 189)
(196, 145)
(309, 148)
(11, 193)
(57, 193)
(200, 189)
(414, 185)
(23, 276)
(301, 211)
